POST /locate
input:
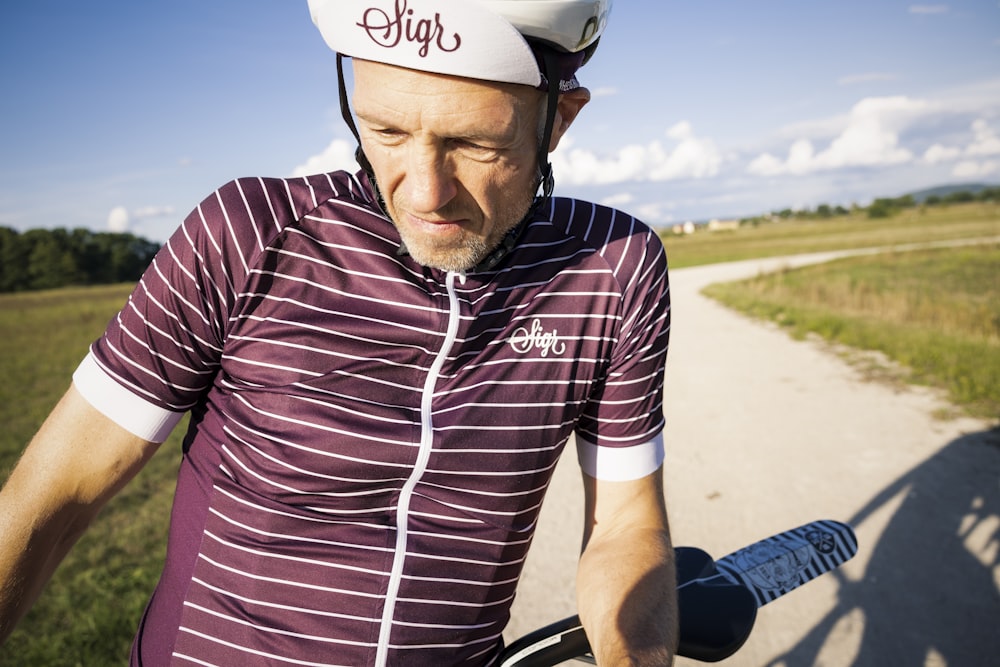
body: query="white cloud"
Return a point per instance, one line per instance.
(657, 213)
(984, 139)
(338, 155)
(974, 169)
(604, 91)
(929, 9)
(152, 212)
(985, 143)
(618, 200)
(766, 165)
(870, 138)
(866, 77)
(118, 220)
(937, 154)
(689, 157)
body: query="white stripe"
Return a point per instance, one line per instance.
(128, 361)
(367, 481)
(323, 494)
(453, 603)
(462, 582)
(309, 348)
(313, 519)
(319, 452)
(288, 582)
(218, 263)
(291, 538)
(265, 629)
(293, 559)
(246, 207)
(233, 236)
(262, 654)
(620, 464)
(480, 510)
(320, 427)
(134, 414)
(285, 607)
(270, 206)
(329, 290)
(194, 660)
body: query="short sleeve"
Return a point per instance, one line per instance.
(166, 345)
(620, 434)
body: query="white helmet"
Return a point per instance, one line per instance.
(479, 39)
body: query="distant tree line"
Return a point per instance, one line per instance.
(882, 207)
(50, 258)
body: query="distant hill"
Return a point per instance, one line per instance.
(944, 190)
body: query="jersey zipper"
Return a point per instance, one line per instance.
(419, 467)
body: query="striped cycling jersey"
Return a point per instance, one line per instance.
(371, 439)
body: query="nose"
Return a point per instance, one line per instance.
(430, 180)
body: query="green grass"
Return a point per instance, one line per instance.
(90, 610)
(936, 223)
(936, 312)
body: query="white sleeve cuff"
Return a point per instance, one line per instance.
(134, 414)
(620, 464)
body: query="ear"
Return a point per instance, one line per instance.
(569, 106)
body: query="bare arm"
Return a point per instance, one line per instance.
(626, 584)
(78, 460)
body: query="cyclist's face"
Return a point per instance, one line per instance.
(455, 159)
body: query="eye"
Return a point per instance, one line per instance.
(465, 143)
(388, 135)
(475, 150)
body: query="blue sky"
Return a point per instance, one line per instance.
(124, 115)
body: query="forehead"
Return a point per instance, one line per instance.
(396, 94)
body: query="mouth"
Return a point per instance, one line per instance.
(435, 227)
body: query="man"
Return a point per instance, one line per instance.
(382, 371)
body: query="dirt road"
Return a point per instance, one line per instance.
(765, 433)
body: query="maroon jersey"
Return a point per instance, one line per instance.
(371, 439)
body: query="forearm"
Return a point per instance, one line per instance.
(627, 598)
(78, 460)
(30, 552)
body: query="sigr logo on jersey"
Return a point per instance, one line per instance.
(527, 339)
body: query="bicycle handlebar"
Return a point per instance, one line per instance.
(717, 601)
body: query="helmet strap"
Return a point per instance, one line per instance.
(551, 74)
(345, 111)
(359, 153)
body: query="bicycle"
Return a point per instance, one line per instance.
(717, 599)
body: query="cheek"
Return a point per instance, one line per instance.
(498, 189)
(386, 163)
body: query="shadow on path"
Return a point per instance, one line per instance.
(931, 589)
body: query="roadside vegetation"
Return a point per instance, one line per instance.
(789, 233)
(942, 304)
(934, 314)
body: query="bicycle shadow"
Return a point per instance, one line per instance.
(930, 594)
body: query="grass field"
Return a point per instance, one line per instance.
(918, 225)
(89, 612)
(935, 312)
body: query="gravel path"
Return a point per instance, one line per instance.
(765, 433)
